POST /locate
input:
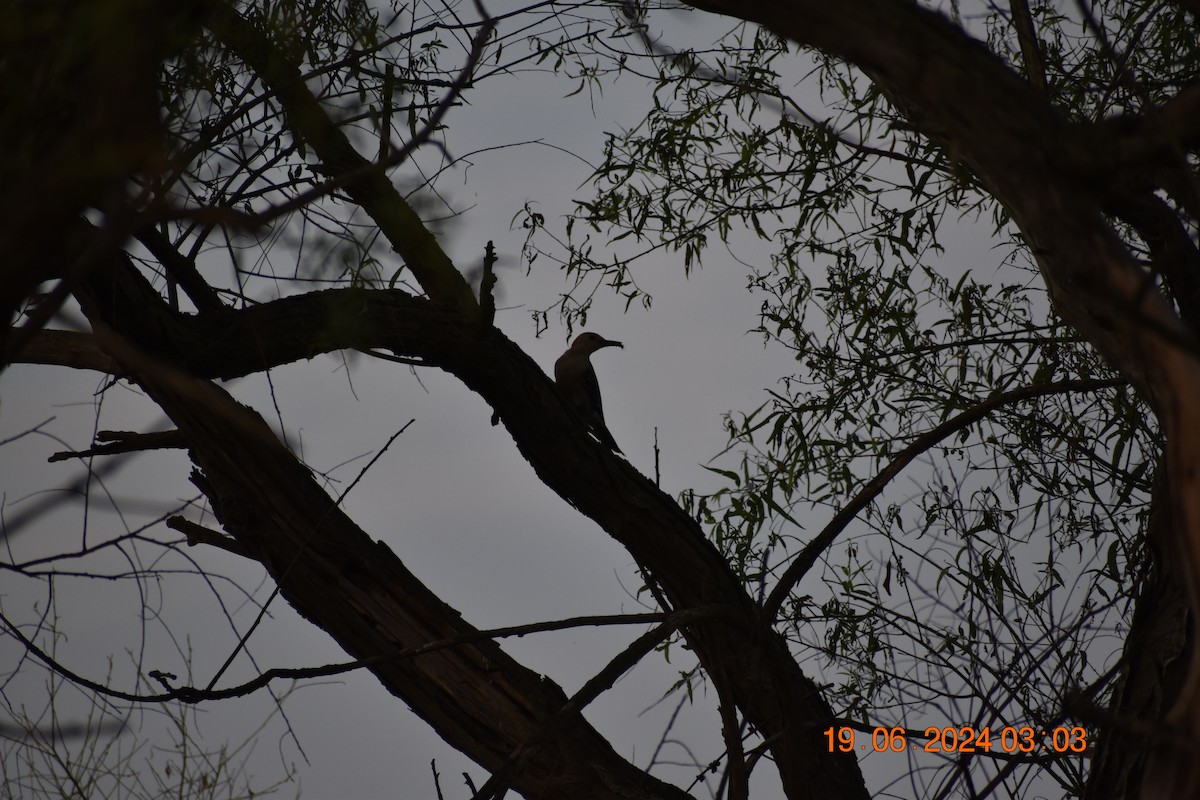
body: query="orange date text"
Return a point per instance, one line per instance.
(964, 739)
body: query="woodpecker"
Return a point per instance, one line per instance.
(577, 381)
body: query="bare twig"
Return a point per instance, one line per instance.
(497, 784)
(190, 694)
(125, 442)
(198, 534)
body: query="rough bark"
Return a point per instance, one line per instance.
(1153, 668)
(475, 696)
(169, 353)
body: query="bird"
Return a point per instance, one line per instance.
(576, 380)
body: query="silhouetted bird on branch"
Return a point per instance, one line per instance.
(577, 381)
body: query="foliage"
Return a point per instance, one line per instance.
(991, 588)
(1000, 582)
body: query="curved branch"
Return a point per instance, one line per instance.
(1175, 255)
(191, 694)
(821, 542)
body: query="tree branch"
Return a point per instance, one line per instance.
(501, 779)
(764, 679)
(125, 442)
(363, 181)
(357, 590)
(61, 348)
(1175, 255)
(821, 542)
(180, 269)
(1031, 52)
(198, 534)
(192, 694)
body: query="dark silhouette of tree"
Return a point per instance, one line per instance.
(149, 141)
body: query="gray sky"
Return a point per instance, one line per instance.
(453, 498)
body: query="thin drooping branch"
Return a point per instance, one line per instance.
(192, 694)
(820, 543)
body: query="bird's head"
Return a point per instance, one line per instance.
(589, 343)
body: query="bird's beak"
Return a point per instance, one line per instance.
(611, 343)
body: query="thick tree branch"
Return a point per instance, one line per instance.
(1175, 255)
(180, 269)
(1153, 139)
(764, 680)
(64, 349)
(475, 696)
(1153, 667)
(1031, 51)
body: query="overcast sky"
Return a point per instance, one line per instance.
(453, 497)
